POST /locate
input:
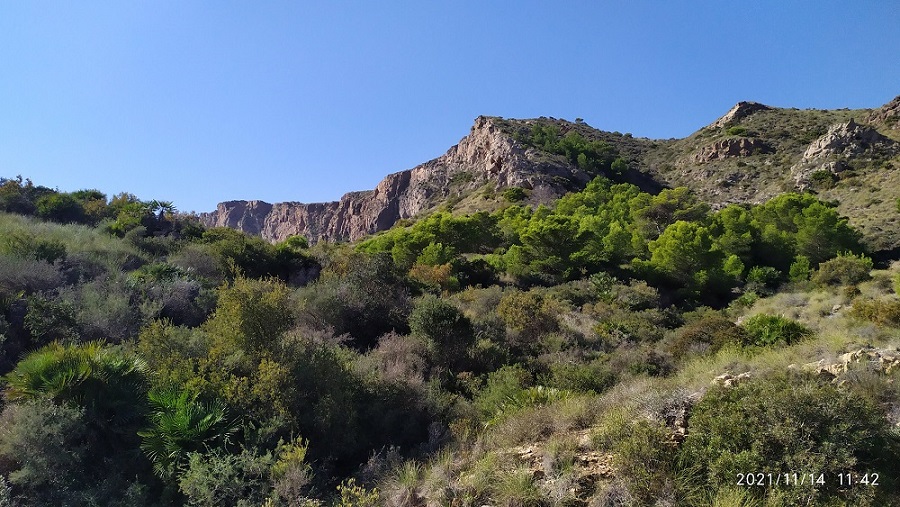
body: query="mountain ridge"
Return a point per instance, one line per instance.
(750, 154)
(485, 155)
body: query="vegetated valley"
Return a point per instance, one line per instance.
(546, 315)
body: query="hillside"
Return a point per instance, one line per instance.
(626, 344)
(750, 154)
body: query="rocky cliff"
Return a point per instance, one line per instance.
(487, 156)
(749, 155)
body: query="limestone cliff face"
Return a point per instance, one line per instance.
(487, 154)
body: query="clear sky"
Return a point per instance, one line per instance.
(201, 102)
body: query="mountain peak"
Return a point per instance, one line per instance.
(739, 111)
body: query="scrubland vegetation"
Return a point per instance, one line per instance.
(561, 355)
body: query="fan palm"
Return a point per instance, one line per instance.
(179, 425)
(109, 385)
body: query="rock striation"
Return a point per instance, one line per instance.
(486, 155)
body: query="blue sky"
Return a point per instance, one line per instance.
(200, 102)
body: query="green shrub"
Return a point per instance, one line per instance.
(227, 479)
(355, 495)
(736, 130)
(50, 320)
(845, 269)
(46, 442)
(763, 279)
(800, 269)
(642, 452)
(61, 208)
(595, 376)
(706, 334)
(896, 283)
(515, 194)
(822, 180)
(767, 330)
(27, 245)
(449, 331)
(527, 312)
(501, 385)
(786, 425)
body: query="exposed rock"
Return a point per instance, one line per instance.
(589, 467)
(832, 150)
(676, 414)
(729, 380)
(845, 139)
(730, 148)
(887, 115)
(872, 359)
(739, 111)
(486, 155)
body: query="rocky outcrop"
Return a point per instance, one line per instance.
(887, 115)
(486, 155)
(740, 111)
(845, 139)
(589, 467)
(730, 148)
(832, 151)
(872, 359)
(728, 380)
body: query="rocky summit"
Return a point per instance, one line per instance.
(750, 154)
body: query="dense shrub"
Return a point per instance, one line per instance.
(515, 194)
(595, 377)
(786, 425)
(363, 295)
(448, 331)
(227, 479)
(845, 269)
(763, 279)
(527, 312)
(880, 311)
(28, 276)
(766, 330)
(643, 454)
(706, 334)
(61, 208)
(239, 253)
